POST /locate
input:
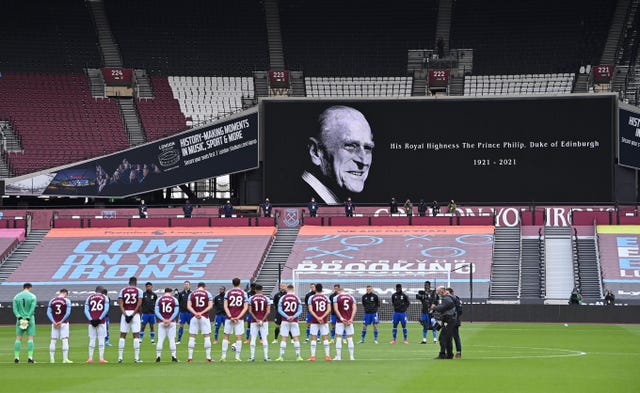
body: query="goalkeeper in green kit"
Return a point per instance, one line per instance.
(24, 307)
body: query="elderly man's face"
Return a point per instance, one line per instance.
(346, 152)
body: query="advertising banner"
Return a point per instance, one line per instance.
(629, 138)
(218, 149)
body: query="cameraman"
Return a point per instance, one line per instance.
(427, 297)
(445, 312)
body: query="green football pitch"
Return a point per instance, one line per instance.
(497, 357)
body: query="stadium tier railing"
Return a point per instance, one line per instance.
(160, 222)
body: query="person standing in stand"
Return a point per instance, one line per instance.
(313, 207)
(349, 208)
(142, 209)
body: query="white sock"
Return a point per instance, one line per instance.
(238, 348)
(265, 349)
(225, 347)
(92, 348)
(296, 346)
(190, 346)
(120, 347)
(326, 347)
(283, 348)
(136, 348)
(313, 347)
(207, 347)
(350, 346)
(65, 349)
(101, 347)
(52, 350)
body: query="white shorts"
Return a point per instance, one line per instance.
(99, 331)
(134, 325)
(323, 328)
(341, 327)
(234, 328)
(264, 330)
(202, 325)
(168, 332)
(289, 327)
(61, 332)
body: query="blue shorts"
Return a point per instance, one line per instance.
(371, 319)
(148, 319)
(185, 317)
(309, 317)
(426, 320)
(249, 318)
(399, 317)
(334, 319)
(220, 318)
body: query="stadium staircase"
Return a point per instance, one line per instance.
(21, 252)
(132, 123)
(558, 264)
(456, 85)
(296, 80)
(586, 261)
(505, 271)
(108, 47)
(274, 35)
(443, 24)
(419, 85)
(96, 82)
(5, 171)
(260, 84)
(620, 17)
(144, 88)
(276, 258)
(12, 141)
(581, 84)
(531, 269)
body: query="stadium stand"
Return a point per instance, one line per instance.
(399, 86)
(205, 98)
(45, 36)
(355, 38)
(74, 257)
(333, 255)
(59, 106)
(161, 115)
(531, 36)
(199, 37)
(524, 84)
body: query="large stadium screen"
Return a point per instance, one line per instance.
(218, 149)
(552, 149)
(629, 138)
